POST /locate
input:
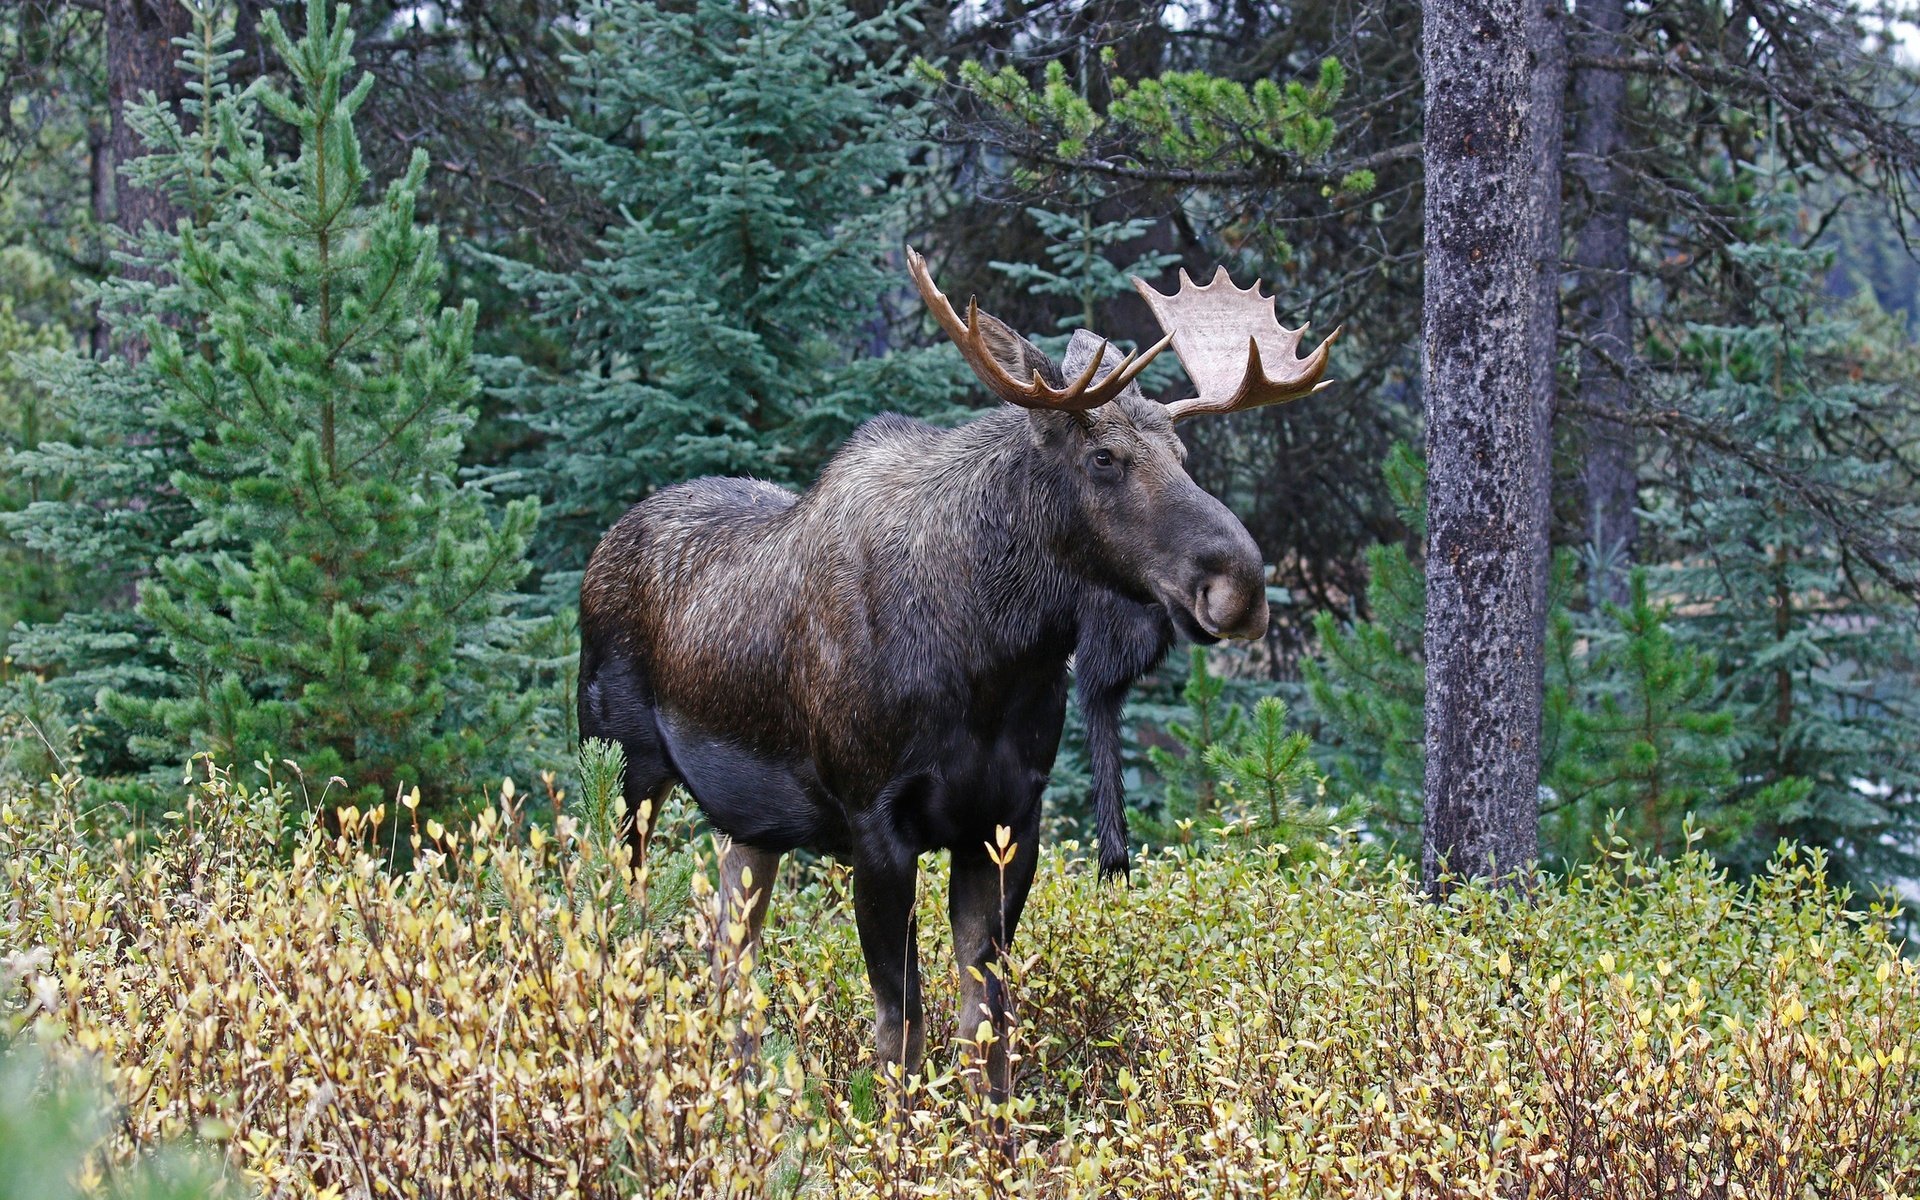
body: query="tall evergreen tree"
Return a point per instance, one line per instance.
(1819, 650)
(736, 317)
(1494, 79)
(327, 589)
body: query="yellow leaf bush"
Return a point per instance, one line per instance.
(518, 1015)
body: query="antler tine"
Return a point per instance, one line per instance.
(972, 338)
(1131, 366)
(1210, 324)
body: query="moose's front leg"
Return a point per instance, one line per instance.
(984, 905)
(883, 896)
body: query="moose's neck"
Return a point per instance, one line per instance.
(964, 525)
(1026, 517)
(1009, 510)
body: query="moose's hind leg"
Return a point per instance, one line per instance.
(746, 883)
(616, 703)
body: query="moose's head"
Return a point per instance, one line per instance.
(1144, 526)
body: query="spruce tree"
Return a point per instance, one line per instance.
(1650, 751)
(1818, 652)
(737, 316)
(334, 594)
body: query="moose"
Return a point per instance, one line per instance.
(877, 667)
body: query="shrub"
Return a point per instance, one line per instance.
(513, 1017)
(50, 1128)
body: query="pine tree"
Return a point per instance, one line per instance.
(737, 316)
(1237, 769)
(328, 589)
(1818, 655)
(1190, 781)
(1266, 772)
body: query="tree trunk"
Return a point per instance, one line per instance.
(1605, 308)
(100, 207)
(141, 58)
(1495, 73)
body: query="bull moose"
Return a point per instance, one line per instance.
(877, 667)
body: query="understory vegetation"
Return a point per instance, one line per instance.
(517, 1014)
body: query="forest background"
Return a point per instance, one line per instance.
(323, 364)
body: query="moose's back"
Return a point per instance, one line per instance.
(794, 657)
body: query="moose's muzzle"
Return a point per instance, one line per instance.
(1225, 586)
(1232, 606)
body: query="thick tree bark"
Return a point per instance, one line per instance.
(141, 58)
(1605, 298)
(1495, 74)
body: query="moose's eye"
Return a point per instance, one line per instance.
(1103, 458)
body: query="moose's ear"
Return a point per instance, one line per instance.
(1016, 355)
(1011, 366)
(1021, 359)
(1081, 351)
(1084, 348)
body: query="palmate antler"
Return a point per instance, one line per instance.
(1225, 338)
(989, 346)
